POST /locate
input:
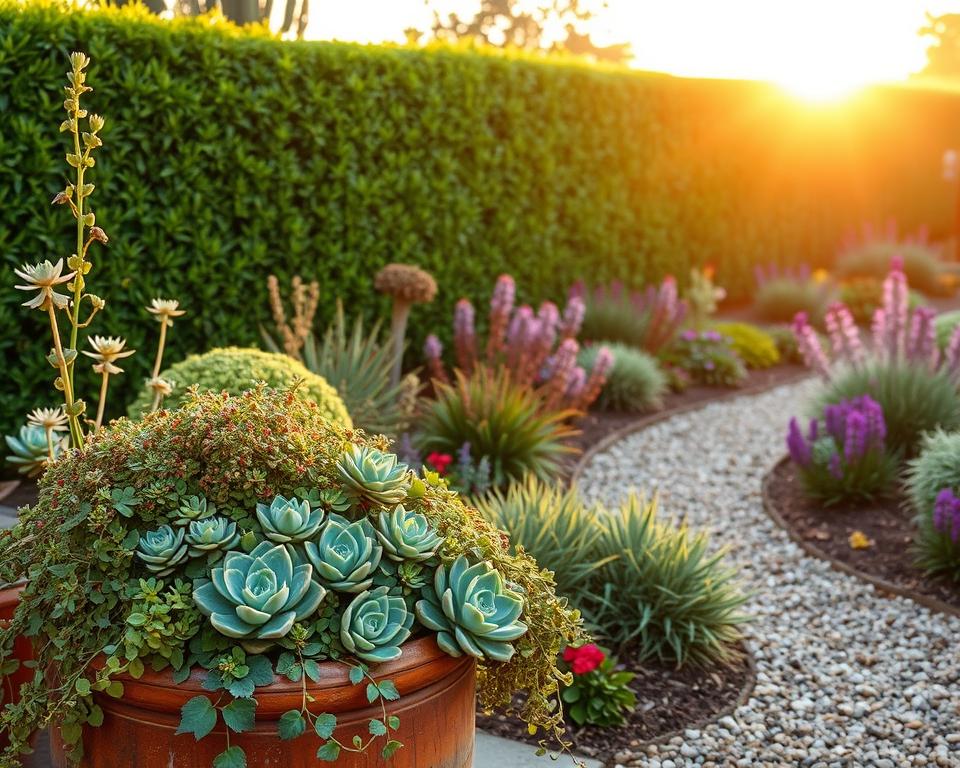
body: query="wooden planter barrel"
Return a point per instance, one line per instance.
(436, 711)
(10, 685)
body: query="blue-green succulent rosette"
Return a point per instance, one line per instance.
(256, 598)
(472, 611)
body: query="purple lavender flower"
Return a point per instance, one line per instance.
(572, 317)
(855, 437)
(946, 514)
(432, 348)
(797, 445)
(689, 335)
(809, 345)
(895, 308)
(922, 347)
(464, 335)
(844, 337)
(712, 336)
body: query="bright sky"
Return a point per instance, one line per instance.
(819, 48)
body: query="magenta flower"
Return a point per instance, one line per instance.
(809, 345)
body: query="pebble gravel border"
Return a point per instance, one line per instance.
(845, 675)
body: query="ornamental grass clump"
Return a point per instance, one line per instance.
(206, 539)
(635, 383)
(647, 320)
(503, 422)
(843, 456)
(356, 362)
(39, 443)
(933, 489)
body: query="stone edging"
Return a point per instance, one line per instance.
(655, 418)
(769, 507)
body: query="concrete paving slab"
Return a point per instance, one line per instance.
(497, 752)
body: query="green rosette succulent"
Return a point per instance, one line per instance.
(372, 476)
(194, 508)
(407, 535)
(472, 611)
(29, 451)
(163, 549)
(375, 625)
(257, 598)
(346, 555)
(289, 521)
(211, 536)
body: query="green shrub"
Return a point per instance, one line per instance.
(946, 323)
(502, 422)
(358, 366)
(706, 358)
(756, 347)
(660, 588)
(231, 153)
(936, 469)
(921, 265)
(914, 399)
(786, 341)
(779, 300)
(637, 580)
(635, 383)
(552, 524)
(234, 370)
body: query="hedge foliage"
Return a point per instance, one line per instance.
(229, 155)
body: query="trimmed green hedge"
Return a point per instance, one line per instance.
(229, 155)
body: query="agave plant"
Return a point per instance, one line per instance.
(163, 549)
(30, 449)
(194, 508)
(407, 535)
(471, 611)
(373, 476)
(256, 598)
(211, 537)
(346, 555)
(375, 625)
(289, 521)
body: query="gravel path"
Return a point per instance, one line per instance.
(846, 677)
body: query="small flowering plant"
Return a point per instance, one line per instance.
(599, 693)
(707, 357)
(39, 442)
(843, 456)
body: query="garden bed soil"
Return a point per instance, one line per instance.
(598, 425)
(669, 701)
(825, 531)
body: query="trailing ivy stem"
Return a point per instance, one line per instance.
(159, 359)
(103, 400)
(76, 434)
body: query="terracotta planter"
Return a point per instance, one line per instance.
(10, 685)
(436, 712)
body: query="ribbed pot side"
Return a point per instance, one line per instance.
(436, 711)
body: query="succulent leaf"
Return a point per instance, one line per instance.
(372, 476)
(407, 535)
(211, 536)
(375, 625)
(257, 597)
(289, 521)
(194, 508)
(472, 611)
(162, 550)
(346, 554)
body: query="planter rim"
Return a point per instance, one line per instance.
(422, 663)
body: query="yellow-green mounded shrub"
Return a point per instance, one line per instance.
(756, 347)
(233, 156)
(236, 369)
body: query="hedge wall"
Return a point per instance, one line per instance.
(229, 155)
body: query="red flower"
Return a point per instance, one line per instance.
(440, 461)
(584, 659)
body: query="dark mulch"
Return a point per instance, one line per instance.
(886, 522)
(668, 700)
(596, 425)
(17, 493)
